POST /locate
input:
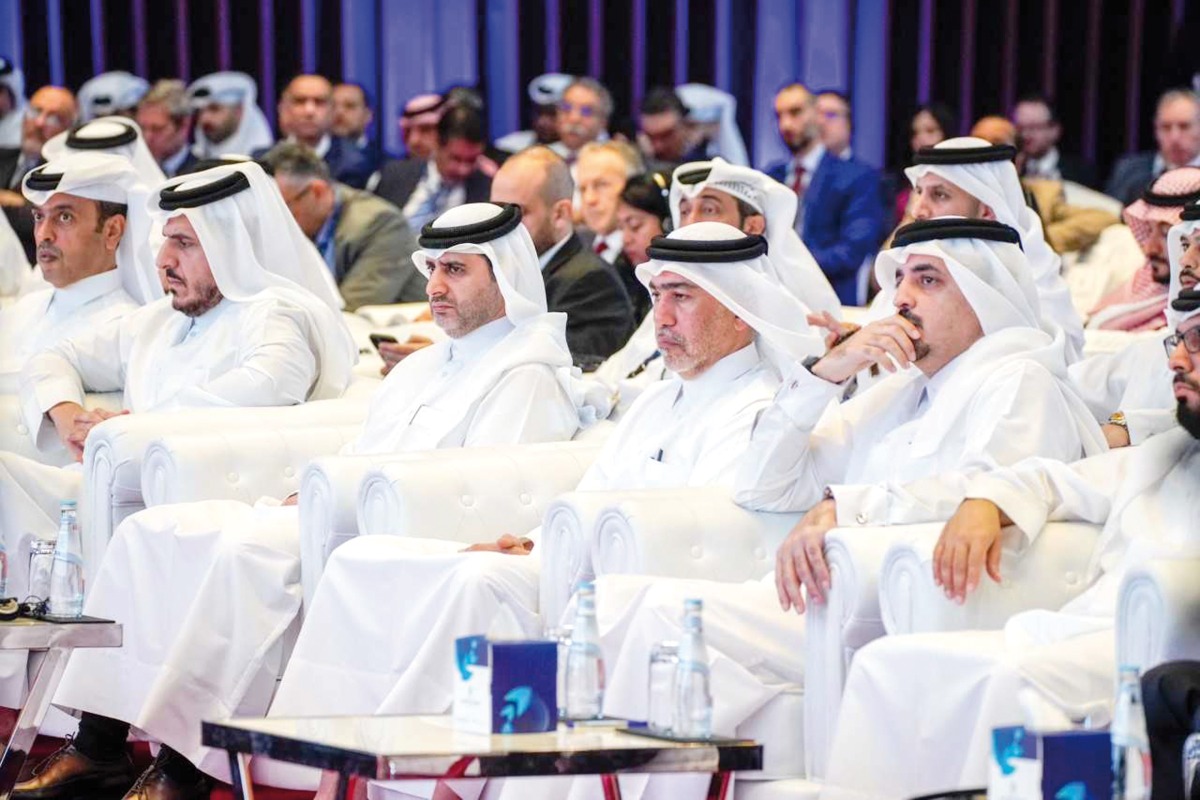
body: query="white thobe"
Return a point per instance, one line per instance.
(43, 318)
(206, 591)
(918, 710)
(379, 636)
(14, 266)
(637, 365)
(1135, 380)
(901, 452)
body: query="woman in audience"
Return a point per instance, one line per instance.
(644, 213)
(930, 125)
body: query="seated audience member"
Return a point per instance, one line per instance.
(418, 125)
(165, 118)
(86, 226)
(352, 116)
(600, 174)
(425, 189)
(1177, 133)
(578, 282)
(969, 177)
(365, 241)
(666, 135)
(1065, 660)
(119, 136)
(930, 125)
(1129, 391)
(643, 213)
(111, 94)
(840, 207)
(228, 119)
(713, 114)
(504, 376)
(306, 116)
(1039, 132)
(1140, 304)
(583, 115)
(545, 93)
(252, 319)
(989, 388)
(12, 103)
(717, 320)
(834, 123)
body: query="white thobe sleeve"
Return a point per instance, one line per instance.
(782, 468)
(1006, 422)
(1101, 380)
(527, 405)
(1146, 422)
(1040, 490)
(278, 368)
(63, 372)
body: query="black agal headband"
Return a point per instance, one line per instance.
(173, 198)
(965, 155)
(1151, 197)
(1188, 300)
(79, 140)
(476, 233)
(932, 230)
(43, 180)
(707, 251)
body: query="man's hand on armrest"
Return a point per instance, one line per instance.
(969, 543)
(73, 423)
(507, 544)
(800, 560)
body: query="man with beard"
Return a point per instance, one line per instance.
(1145, 499)
(1140, 304)
(840, 212)
(228, 119)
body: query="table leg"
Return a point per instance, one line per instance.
(718, 787)
(48, 672)
(612, 786)
(239, 775)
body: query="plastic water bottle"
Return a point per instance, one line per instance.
(585, 663)
(66, 576)
(693, 700)
(1130, 744)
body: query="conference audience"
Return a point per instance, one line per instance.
(600, 174)
(306, 116)
(643, 213)
(165, 118)
(583, 114)
(1177, 133)
(228, 119)
(1039, 132)
(352, 118)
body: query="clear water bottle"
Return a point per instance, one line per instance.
(1130, 744)
(693, 701)
(585, 663)
(66, 576)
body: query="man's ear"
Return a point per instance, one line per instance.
(114, 229)
(563, 211)
(985, 212)
(754, 225)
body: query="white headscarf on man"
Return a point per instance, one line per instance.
(120, 136)
(708, 105)
(231, 89)
(1185, 229)
(13, 79)
(110, 93)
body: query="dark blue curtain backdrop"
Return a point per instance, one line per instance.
(1103, 61)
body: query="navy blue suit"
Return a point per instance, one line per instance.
(347, 163)
(843, 219)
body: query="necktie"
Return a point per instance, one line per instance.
(600, 246)
(798, 181)
(430, 207)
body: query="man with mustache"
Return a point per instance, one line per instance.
(583, 113)
(1140, 304)
(1129, 391)
(963, 684)
(228, 119)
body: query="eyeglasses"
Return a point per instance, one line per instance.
(584, 110)
(1190, 339)
(35, 113)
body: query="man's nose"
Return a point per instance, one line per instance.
(921, 208)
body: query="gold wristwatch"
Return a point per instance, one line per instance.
(1119, 420)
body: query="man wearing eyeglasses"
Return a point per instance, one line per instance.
(583, 116)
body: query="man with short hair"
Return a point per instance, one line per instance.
(228, 119)
(665, 133)
(578, 282)
(52, 110)
(365, 241)
(600, 174)
(165, 118)
(1177, 132)
(1040, 131)
(840, 207)
(583, 115)
(1140, 303)
(306, 116)
(12, 103)
(1057, 663)
(352, 116)
(503, 376)
(834, 122)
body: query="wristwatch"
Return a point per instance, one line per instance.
(1118, 419)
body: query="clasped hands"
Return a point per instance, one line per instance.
(73, 423)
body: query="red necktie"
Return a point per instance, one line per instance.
(600, 246)
(798, 181)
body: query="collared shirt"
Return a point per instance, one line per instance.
(809, 161)
(545, 258)
(321, 148)
(1044, 167)
(1161, 166)
(171, 164)
(325, 238)
(431, 197)
(612, 244)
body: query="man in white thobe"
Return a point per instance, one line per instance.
(12, 81)
(203, 649)
(116, 135)
(228, 119)
(970, 177)
(951, 689)
(252, 320)
(1129, 391)
(86, 226)
(989, 387)
(724, 328)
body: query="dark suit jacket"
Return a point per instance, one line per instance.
(1130, 175)
(639, 295)
(599, 315)
(9, 158)
(347, 163)
(1077, 169)
(372, 252)
(843, 218)
(399, 177)
(186, 166)
(19, 217)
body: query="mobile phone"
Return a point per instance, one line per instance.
(378, 338)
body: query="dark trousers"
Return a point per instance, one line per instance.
(1171, 695)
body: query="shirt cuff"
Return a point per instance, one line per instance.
(860, 505)
(1028, 515)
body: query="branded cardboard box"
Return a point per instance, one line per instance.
(505, 686)
(1058, 765)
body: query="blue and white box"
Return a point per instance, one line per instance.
(505, 686)
(1058, 765)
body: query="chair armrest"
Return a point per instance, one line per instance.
(1047, 574)
(1158, 613)
(14, 433)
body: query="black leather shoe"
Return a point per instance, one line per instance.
(69, 773)
(155, 784)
